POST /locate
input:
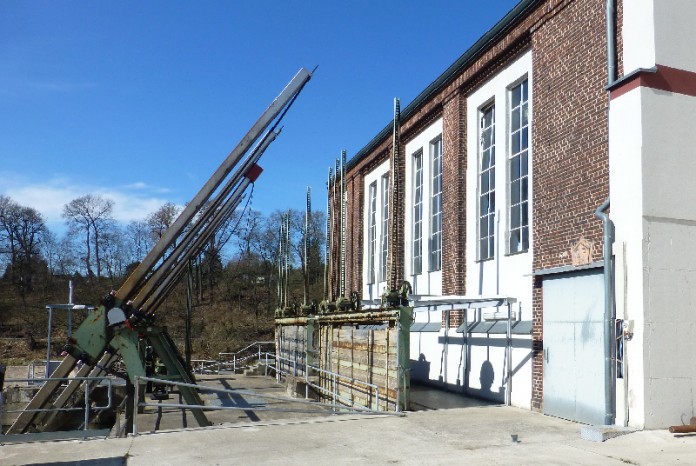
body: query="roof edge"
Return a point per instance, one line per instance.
(511, 18)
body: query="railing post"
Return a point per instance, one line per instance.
(136, 398)
(334, 391)
(234, 363)
(294, 368)
(377, 398)
(86, 406)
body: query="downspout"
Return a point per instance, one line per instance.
(611, 41)
(608, 227)
(609, 375)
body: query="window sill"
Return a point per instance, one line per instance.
(516, 253)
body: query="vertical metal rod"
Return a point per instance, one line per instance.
(333, 389)
(399, 380)
(328, 233)
(48, 343)
(136, 401)
(189, 312)
(308, 213)
(394, 200)
(86, 427)
(335, 236)
(343, 223)
(280, 266)
(508, 384)
(287, 257)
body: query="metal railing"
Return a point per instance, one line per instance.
(315, 406)
(42, 365)
(87, 408)
(238, 359)
(205, 366)
(336, 380)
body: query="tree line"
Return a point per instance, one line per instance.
(234, 276)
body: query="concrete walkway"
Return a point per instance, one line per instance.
(479, 435)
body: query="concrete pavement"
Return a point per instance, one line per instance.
(479, 435)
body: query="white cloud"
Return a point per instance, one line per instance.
(131, 202)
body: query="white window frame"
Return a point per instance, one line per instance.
(417, 210)
(384, 215)
(373, 279)
(518, 168)
(506, 273)
(372, 232)
(428, 279)
(485, 237)
(435, 240)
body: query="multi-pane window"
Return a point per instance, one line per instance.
(372, 232)
(486, 219)
(418, 212)
(385, 226)
(435, 248)
(519, 168)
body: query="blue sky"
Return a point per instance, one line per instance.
(141, 101)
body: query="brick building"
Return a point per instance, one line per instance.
(504, 162)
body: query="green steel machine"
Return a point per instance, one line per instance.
(123, 324)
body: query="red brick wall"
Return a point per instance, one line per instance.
(570, 144)
(454, 195)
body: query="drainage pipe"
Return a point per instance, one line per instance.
(611, 41)
(609, 317)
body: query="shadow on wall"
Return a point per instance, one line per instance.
(420, 370)
(487, 378)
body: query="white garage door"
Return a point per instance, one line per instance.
(574, 346)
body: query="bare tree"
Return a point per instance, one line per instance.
(23, 232)
(138, 240)
(161, 219)
(91, 215)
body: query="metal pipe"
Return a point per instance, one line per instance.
(157, 295)
(399, 369)
(308, 213)
(218, 208)
(287, 256)
(344, 208)
(280, 266)
(48, 343)
(508, 349)
(609, 346)
(335, 237)
(611, 41)
(136, 401)
(135, 279)
(328, 228)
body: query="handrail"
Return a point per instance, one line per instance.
(87, 408)
(235, 359)
(336, 376)
(140, 379)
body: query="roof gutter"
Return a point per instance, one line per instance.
(466, 59)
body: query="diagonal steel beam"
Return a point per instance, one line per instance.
(197, 203)
(182, 252)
